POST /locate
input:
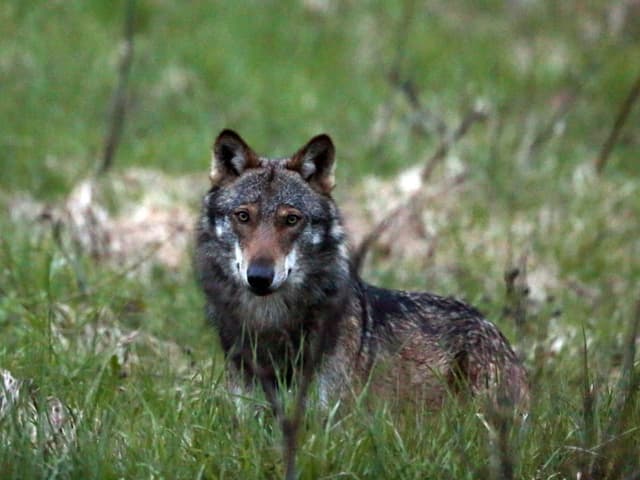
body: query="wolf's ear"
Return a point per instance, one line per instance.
(315, 163)
(231, 157)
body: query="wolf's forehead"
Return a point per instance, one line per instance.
(273, 187)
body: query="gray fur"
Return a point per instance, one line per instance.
(405, 346)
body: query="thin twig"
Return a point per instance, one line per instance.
(565, 105)
(290, 425)
(118, 106)
(627, 390)
(614, 457)
(426, 121)
(621, 119)
(475, 115)
(397, 76)
(408, 14)
(76, 266)
(394, 74)
(588, 416)
(412, 203)
(499, 423)
(629, 377)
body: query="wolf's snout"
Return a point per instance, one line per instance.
(260, 277)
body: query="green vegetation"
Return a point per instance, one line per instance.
(122, 342)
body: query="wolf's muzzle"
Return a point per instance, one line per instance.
(260, 276)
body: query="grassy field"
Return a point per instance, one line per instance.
(119, 375)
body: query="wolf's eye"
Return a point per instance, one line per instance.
(292, 220)
(242, 216)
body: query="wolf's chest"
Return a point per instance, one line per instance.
(267, 312)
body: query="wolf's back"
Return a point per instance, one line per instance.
(425, 342)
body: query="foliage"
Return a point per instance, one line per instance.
(128, 351)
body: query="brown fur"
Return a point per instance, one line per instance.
(435, 348)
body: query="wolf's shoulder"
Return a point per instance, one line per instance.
(391, 301)
(427, 311)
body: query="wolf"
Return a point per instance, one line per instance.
(271, 257)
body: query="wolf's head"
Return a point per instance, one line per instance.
(269, 226)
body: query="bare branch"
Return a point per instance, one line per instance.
(117, 110)
(621, 119)
(426, 121)
(412, 203)
(475, 115)
(408, 14)
(394, 73)
(566, 103)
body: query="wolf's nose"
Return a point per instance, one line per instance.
(260, 277)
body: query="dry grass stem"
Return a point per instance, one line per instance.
(118, 108)
(621, 118)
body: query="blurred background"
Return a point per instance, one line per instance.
(496, 140)
(282, 71)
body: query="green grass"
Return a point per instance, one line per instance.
(280, 72)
